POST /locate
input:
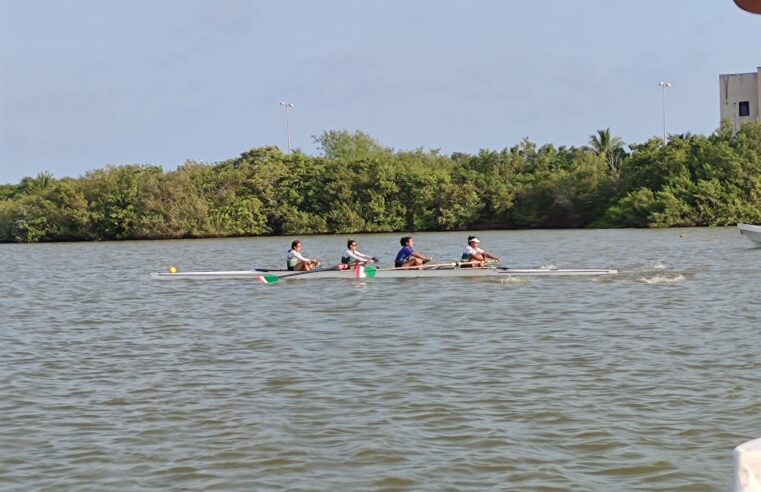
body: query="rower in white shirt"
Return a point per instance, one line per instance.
(352, 257)
(297, 261)
(474, 256)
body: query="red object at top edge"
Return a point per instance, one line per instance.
(750, 5)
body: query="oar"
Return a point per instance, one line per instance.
(271, 279)
(365, 271)
(451, 264)
(268, 279)
(476, 263)
(454, 264)
(424, 266)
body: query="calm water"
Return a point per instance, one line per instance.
(643, 381)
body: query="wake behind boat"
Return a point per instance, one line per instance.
(265, 275)
(752, 232)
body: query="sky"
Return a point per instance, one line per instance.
(90, 83)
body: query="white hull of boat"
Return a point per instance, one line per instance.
(752, 232)
(385, 273)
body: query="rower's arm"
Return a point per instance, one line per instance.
(299, 256)
(363, 257)
(491, 256)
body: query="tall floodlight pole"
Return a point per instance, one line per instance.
(287, 106)
(664, 86)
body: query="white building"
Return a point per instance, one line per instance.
(739, 97)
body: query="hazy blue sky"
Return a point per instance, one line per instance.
(88, 83)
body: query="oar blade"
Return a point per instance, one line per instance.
(364, 271)
(268, 279)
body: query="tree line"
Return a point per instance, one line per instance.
(358, 185)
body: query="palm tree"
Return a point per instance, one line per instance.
(43, 181)
(609, 147)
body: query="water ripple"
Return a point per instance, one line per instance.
(110, 381)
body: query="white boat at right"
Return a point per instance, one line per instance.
(752, 232)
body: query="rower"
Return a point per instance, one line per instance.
(474, 256)
(352, 257)
(407, 256)
(299, 262)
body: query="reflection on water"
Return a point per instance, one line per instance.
(646, 380)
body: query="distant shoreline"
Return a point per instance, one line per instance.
(360, 186)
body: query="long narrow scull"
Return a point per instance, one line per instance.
(385, 273)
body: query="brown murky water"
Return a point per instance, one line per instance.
(642, 381)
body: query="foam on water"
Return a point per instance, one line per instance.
(516, 280)
(661, 279)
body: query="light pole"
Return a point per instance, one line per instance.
(664, 86)
(287, 106)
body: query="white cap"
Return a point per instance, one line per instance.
(474, 240)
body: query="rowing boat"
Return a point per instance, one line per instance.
(752, 232)
(384, 273)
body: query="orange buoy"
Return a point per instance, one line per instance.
(750, 5)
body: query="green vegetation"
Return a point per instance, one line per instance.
(359, 185)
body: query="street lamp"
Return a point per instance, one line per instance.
(664, 86)
(287, 106)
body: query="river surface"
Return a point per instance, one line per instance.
(645, 380)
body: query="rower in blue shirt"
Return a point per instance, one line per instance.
(407, 257)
